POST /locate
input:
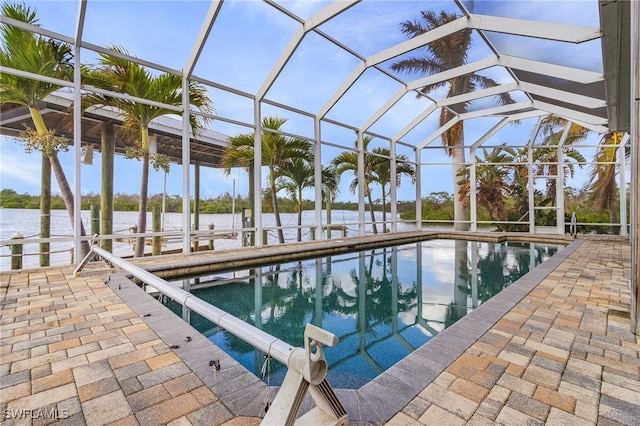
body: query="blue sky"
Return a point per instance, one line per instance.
(245, 44)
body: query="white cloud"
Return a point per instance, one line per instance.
(20, 171)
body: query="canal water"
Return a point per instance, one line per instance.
(27, 223)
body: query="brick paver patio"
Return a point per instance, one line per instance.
(557, 349)
(564, 355)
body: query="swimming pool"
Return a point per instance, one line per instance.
(382, 304)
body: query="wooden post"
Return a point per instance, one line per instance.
(195, 242)
(211, 227)
(108, 146)
(95, 219)
(134, 230)
(16, 252)
(156, 240)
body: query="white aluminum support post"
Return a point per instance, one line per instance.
(418, 192)
(560, 181)
(186, 173)
(361, 184)
(530, 180)
(473, 202)
(77, 136)
(317, 178)
(393, 189)
(531, 189)
(560, 194)
(77, 148)
(190, 64)
(623, 184)
(257, 174)
(635, 168)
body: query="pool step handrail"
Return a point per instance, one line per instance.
(307, 367)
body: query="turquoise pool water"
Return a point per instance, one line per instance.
(382, 304)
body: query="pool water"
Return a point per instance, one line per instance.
(382, 304)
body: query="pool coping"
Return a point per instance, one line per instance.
(244, 394)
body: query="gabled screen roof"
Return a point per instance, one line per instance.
(334, 61)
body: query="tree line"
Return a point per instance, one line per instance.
(10, 199)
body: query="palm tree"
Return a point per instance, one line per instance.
(441, 55)
(492, 186)
(547, 156)
(296, 175)
(26, 51)
(381, 174)
(276, 151)
(348, 161)
(131, 78)
(602, 188)
(330, 188)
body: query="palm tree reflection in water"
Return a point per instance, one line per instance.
(381, 304)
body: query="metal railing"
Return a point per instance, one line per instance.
(306, 366)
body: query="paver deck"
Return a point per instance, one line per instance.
(554, 347)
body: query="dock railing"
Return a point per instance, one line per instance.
(307, 367)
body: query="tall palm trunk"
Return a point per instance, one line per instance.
(613, 214)
(613, 204)
(63, 184)
(67, 196)
(276, 210)
(45, 210)
(370, 200)
(460, 212)
(142, 209)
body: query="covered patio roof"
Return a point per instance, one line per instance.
(206, 148)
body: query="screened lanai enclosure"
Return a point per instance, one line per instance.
(514, 113)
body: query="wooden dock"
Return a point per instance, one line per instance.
(179, 265)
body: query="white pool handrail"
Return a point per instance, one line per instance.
(307, 367)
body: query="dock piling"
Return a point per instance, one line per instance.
(95, 219)
(156, 240)
(211, 227)
(16, 251)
